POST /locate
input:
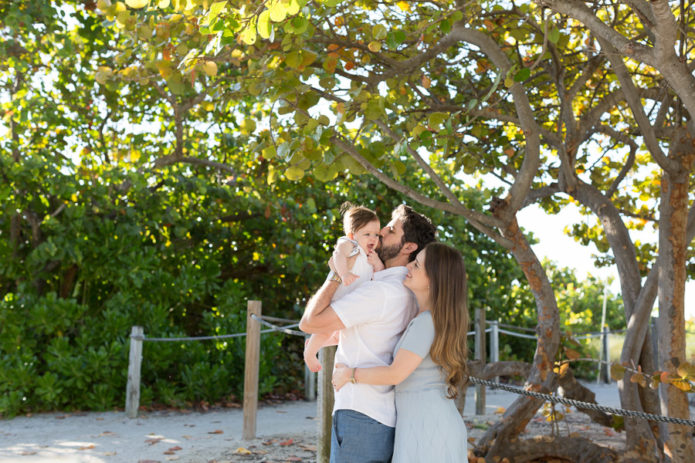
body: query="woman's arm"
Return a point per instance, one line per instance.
(403, 365)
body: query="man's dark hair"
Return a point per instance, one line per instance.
(417, 228)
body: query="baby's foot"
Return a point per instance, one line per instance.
(350, 278)
(312, 362)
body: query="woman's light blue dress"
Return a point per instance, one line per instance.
(428, 425)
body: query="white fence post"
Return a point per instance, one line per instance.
(495, 344)
(480, 355)
(309, 384)
(253, 348)
(132, 396)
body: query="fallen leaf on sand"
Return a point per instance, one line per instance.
(293, 458)
(169, 452)
(500, 410)
(216, 431)
(106, 433)
(174, 449)
(153, 441)
(242, 451)
(86, 447)
(287, 442)
(308, 447)
(187, 436)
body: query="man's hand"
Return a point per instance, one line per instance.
(341, 375)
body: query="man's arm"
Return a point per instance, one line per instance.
(319, 317)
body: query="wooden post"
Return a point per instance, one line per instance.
(495, 344)
(253, 348)
(604, 356)
(325, 403)
(132, 392)
(309, 384)
(480, 355)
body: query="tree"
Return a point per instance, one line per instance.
(494, 88)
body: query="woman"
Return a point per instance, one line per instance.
(429, 363)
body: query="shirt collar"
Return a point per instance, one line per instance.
(391, 273)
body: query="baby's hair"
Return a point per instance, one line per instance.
(356, 217)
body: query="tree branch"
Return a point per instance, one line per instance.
(633, 99)
(479, 221)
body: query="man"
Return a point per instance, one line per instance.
(371, 319)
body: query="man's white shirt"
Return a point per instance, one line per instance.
(375, 315)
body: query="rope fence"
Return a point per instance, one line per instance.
(255, 320)
(581, 405)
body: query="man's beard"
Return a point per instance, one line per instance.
(389, 252)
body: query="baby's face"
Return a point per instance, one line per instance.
(368, 236)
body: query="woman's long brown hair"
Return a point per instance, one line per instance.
(449, 307)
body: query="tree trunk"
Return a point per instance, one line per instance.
(672, 275)
(641, 441)
(541, 377)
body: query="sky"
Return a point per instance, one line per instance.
(555, 245)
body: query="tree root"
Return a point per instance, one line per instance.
(558, 449)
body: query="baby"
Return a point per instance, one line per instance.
(354, 262)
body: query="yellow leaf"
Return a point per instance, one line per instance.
(294, 173)
(210, 68)
(278, 11)
(136, 4)
(242, 451)
(256, 256)
(163, 4)
(500, 410)
(374, 46)
(248, 35)
(264, 26)
(405, 6)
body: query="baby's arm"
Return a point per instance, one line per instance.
(312, 346)
(341, 262)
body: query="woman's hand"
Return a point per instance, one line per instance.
(341, 375)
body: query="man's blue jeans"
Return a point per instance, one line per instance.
(356, 438)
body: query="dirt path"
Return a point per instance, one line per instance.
(286, 433)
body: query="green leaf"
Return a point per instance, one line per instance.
(554, 35)
(395, 38)
(445, 26)
(522, 75)
(436, 119)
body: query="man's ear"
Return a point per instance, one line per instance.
(408, 248)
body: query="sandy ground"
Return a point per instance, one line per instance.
(286, 433)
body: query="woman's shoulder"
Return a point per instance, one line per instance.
(422, 321)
